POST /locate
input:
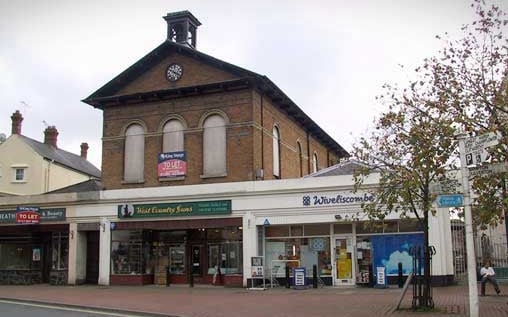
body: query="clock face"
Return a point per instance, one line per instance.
(174, 72)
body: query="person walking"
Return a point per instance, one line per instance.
(488, 275)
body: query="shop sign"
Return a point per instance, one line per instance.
(49, 214)
(172, 164)
(346, 198)
(299, 275)
(200, 208)
(28, 215)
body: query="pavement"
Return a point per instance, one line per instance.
(218, 301)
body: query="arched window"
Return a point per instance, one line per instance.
(172, 140)
(134, 155)
(214, 146)
(276, 152)
(300, 158)
(315, 167)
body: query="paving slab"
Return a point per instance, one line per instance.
(210, 301)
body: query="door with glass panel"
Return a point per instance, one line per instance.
(343, 260)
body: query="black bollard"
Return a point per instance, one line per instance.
(400, 280)
(167, 276)
(288, 282)
(314, 276)
(191, 280)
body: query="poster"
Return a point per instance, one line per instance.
(172, 164)
(389, 250)
(36, 254)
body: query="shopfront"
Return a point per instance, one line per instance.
(147, 248)
(34, 246)
(344, 254)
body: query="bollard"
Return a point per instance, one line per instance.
(288, 282)
(314, 276)
(400, 279)
(167, 276)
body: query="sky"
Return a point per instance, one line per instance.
(330, 57)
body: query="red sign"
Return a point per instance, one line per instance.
(172, 164)
(28, 217)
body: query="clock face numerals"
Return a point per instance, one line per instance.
(174, 72)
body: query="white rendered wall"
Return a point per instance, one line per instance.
(104, 251)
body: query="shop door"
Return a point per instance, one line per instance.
(196, 261)
(92, 257)
(343, 261)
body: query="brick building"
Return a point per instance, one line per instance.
(229, 123)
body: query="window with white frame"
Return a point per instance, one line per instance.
(172, 140)
(315, 167)
(276, 152)
(134, 156)
(214, 146)
(19, 173)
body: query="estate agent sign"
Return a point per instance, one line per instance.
(172, 164)
(199, 208)
(32, 215)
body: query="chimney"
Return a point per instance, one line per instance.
(17, 118)
(50, 136)
(84, 150)
(182, 27)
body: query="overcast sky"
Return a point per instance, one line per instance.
(330, 57)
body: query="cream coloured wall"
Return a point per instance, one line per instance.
(40, 175)
(14, 152)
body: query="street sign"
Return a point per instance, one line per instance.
(447, 186)
(450, 200)
(481, 142)
(489, 169)
(477, 157)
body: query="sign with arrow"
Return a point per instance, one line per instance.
(481, 142)
(490, 169)
(445, 201)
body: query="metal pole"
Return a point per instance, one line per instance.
(471, 258)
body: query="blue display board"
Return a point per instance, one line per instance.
(299, 277)
(389, 250)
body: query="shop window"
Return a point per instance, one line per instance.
(342, 228)
(277, 231)
(214, 146)
(409, 225)
(128, 253)
(172, 140)
(276, 152)
(134, 154)
(296, 231)
(369, 227)
(298, 252)
(177, 259)
(316, 229)
(391, 226)
(227, 256)
(59, 251)
(15, 257)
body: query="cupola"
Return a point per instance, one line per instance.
(182, 27)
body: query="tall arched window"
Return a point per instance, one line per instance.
(300, 158)
(214, 146)
(172, 140)
(134, 155)
(314, 163)
(276, 152)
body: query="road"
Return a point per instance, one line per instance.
(25, 309)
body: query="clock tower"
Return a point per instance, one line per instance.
(182, 28)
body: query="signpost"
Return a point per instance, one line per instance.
(471, 152)
(456, 200)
